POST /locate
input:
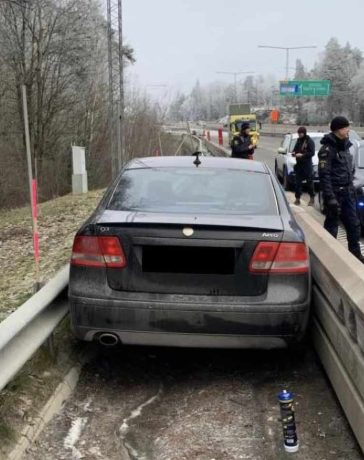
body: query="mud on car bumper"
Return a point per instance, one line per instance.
(139, 323)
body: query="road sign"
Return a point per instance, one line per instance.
(305, 88)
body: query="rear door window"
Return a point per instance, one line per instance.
(192, 190)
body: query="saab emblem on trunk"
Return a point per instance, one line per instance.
(188, 231)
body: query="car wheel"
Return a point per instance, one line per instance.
(286, 184)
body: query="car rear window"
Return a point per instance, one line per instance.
(194, 190)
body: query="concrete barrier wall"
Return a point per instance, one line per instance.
(337, 313)
(338, 318)
(216, 150)
(279, 130)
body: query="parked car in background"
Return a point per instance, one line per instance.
(180, 255)
(285, 162)
(359, 185)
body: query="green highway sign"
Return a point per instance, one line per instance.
(305, 88)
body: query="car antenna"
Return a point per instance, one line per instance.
(197, 161)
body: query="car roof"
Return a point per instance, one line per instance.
(311, 134)
(206, 162)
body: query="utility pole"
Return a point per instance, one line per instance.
(121, 148)
(235, 75)
(287, 50)
(116, 85)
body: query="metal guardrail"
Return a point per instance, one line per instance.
(196, 143)
(25, 330)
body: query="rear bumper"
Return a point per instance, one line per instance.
(237, 326)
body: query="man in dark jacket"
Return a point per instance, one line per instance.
(242, 145)
(336, 173)
(304, 150)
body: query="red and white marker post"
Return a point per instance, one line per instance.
(221, 140)
(32, 192)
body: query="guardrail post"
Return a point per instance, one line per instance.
(49, 343)
(221, 140)
(51, 347)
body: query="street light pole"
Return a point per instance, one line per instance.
(287, 49)
(235, 75)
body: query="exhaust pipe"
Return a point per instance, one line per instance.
(108, 340)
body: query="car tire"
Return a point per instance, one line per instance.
(286, 184)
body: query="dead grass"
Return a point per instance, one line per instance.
(58, 220)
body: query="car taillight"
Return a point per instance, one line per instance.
(98, 251)
(263, 257)
(273, 257)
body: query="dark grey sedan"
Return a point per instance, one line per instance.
(193, 256)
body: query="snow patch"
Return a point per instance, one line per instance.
(73, 436)
(136, 413)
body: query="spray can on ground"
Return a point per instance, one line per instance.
(286, 402)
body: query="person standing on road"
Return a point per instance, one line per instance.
(304, 150)
(336, 174)
(241, 144)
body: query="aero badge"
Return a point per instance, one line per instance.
(188, 231)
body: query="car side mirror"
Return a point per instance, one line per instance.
(282, 151)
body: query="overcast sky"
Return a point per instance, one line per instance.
(177, 42)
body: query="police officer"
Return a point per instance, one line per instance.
(304, 150)
(241, 144)
(336, 173)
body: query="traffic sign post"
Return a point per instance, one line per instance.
(305, 88)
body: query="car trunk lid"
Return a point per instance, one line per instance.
(200, 255)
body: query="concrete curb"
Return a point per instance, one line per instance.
(54, 404)
(51, 408)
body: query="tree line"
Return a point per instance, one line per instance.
(58, 50)
(343, 65)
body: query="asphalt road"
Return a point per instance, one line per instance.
(175, 404)
(266, 151)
